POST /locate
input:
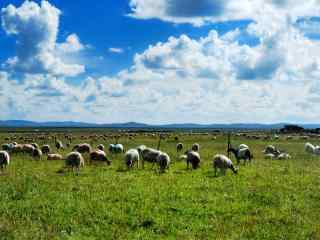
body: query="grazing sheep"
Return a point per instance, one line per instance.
(4, 159)
(179, 147)
(223, 163)
(45, 149)
(116, 148)
(99, 155)
(241, 154)
(82, 148)
(195, 147)
(74, 160)
(17, 148)
(141, 148)
(283, 156)
(243, 146)
(269, 149)
(28, 148)
(100, 147)
(164, 161)
(35, 145)
(59, 145)
(149, 155)
(8, 147)
(54, 156)
(309, 148)
(193, 158)
(131, 158)
(37, 153)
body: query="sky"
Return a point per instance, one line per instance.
(158, 62)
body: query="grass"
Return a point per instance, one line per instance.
(266, 200)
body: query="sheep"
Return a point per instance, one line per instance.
(4, 159)
(54, 156)
(59, 145)
(223, 163)
(241, 153)
(116, 148)
(99, 155)
(37, 153)
(193, 158)
(243, 146)
(82, 148)
(100, 147)
(179, 147)
(283, 156)
(141, 148)
(132, 157)
(35, 145)
(7, 147)
(195, 147)
(45, 149)
(269, 149)
(28, 148)
(309, 148)
(74, 160)
(17, 148)
(164, 161)
(149, 155)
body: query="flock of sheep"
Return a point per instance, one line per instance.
(138, 156)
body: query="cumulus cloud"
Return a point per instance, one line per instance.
(202, 11)
(36, 28)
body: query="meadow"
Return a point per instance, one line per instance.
(268, 199)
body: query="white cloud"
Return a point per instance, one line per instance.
(36, 28)
(116, 50)
(202, 11)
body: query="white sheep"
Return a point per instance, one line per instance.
(195, 147)
(99, 155)
(283, 156)
(74, 160)
(243, 146)
(116, 148)
(164, 161)
(309, 148)
(100, 147)
(45, 149)
(149, 155)
(131, 158)
(4, 159)
(223, 163)
(179, 147)
(193, 158)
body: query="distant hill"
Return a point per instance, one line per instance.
(135, 125)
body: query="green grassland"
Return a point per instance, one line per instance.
(268, 199)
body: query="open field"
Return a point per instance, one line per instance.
(268, 199)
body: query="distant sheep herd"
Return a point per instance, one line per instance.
(136, 157)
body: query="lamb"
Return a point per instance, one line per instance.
(54, 156)
(74, 160)
(195, 147)
(193, 158)
(4, 159)
(99, 155)
(100, 147)
(283, 156)
(131, 158)
(241, 153)
(164, 161)
(223, 163)
(116, 148)
(82, 148)
(179, 147)
(45, 149)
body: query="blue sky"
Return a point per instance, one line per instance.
(160, 62)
